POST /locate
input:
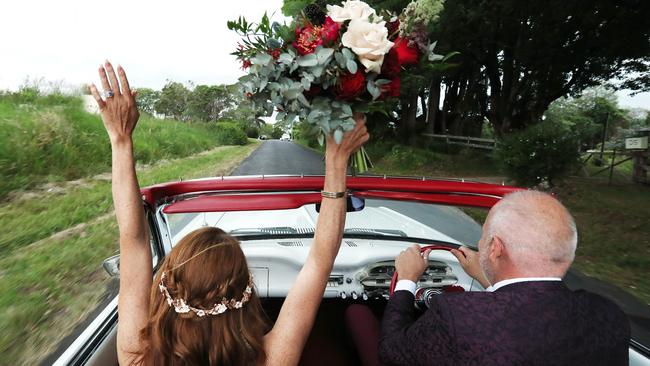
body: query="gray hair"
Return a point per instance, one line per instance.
(537, 230)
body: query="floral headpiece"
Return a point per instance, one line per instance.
(181, 307)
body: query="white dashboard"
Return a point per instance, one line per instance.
(362, 269)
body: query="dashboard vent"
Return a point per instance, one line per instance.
(335, 281)
(351, 244)
(294, 243)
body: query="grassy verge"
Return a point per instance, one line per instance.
(44, 142)
(405, 160)
(50, 283)
(34, 219)
(612, 219)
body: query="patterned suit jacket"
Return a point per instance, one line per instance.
(527, 323)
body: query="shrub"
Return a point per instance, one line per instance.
(253, 132)
(230, 134)
(540, 154)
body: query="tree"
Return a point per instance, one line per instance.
(208, 102)
(173, 100)
(147, 99)
(522, 55)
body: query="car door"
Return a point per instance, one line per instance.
(97, 343)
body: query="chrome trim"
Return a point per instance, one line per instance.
(82, 341)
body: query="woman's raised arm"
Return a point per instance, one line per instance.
(285, 342)
(120, 116)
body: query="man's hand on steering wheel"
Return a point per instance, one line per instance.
(469, 260)
(410, 264)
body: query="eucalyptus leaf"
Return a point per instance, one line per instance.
(352, 66)
(373, 90)
(261, 59)
(347, 53)
(303, 100)
(340, 59)
(286, 58)
(317, 71)
(324, 55)
(338, 136)
(309, 60)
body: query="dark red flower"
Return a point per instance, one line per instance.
(330, 32)
(313, 91)
(245, 64)
(350, 86)
(307, 39)
(390, 67)
(275, 53)
(406, 54)
(393, 27)
(392, 89)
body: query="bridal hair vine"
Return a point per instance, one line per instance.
(181, 307)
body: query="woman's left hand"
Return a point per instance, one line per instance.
(118, 107)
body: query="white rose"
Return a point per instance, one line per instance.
(351, 10)
(369, 41)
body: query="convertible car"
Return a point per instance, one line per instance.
(274, 218)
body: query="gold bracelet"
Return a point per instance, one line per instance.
(326, 194)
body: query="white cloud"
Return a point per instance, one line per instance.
(152, 40)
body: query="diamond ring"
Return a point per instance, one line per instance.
(108, 94)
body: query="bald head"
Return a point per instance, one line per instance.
(538, 232)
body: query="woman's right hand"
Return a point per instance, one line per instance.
(337, 155)
(119, 111)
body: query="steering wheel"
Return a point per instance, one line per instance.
(422, 294)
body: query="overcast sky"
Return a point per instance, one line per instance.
(153, 40)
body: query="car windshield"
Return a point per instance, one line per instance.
(380, 218)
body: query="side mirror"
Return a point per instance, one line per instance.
(112, 265)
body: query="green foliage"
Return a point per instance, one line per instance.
(208, 102)
(173, 100)
(229, 133)
(146, 100)
(542, 153)
(587, 116)
(41, 142)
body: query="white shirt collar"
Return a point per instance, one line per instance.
(510, 281)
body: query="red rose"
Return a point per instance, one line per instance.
(350, 86)
(406, 54)
(393, 27)
(392, 89)
(307, 39)
(390, 67)
(330, 31)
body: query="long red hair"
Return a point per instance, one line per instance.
(204, 267)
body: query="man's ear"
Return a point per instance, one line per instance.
(497, 249)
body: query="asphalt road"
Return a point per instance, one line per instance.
(282, 157)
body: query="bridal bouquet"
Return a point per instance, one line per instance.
(330, 61)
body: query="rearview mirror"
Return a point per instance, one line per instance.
(354, 204)
(112, 265)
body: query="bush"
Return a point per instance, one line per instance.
(540, 154)
(252, 132)
(230, 134)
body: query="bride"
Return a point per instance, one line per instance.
(201, 307)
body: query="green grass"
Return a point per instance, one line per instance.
(48, 287)
(411, 161)
(42, 141)
(34, 219)
(612, 220)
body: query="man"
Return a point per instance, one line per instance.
(526, 316)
